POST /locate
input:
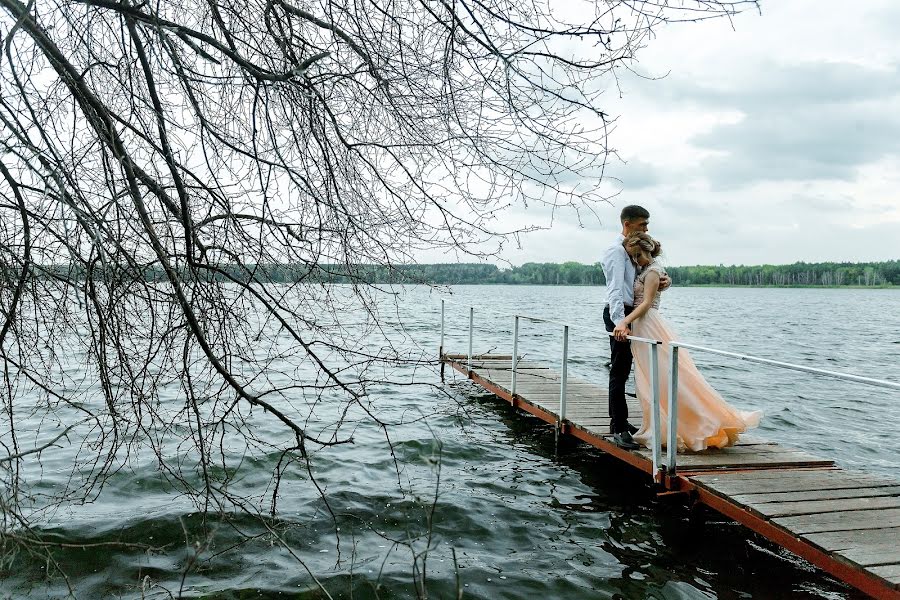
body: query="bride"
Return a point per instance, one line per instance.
(705, 420)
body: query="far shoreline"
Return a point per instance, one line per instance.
(674, 285)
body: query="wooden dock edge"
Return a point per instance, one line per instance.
(845, 571)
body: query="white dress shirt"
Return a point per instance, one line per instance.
(619, 271)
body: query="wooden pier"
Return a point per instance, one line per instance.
(845, 523)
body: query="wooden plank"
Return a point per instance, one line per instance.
(736, 477)
(771, 486)
(740, 449)
(521, 370)
(761, 461)
(524, 388)
(598, 427)
(571, 396)
(531, 376)
(489, 360)
(532, 385)
(553, 390)
(749, 439)
(733, 484)
(747, 460)
(520, 367)
(593, 420)
(889, 572)
(506, 372)
(784, 509)
(546, 378)
(872, 555)
(841, 521)
(842, 540)
(599, 407)
(826, 494)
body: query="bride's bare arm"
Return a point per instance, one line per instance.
(651, 285)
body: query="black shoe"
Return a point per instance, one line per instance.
(624, 440)
(628, 427)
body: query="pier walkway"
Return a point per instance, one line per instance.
(846, 523)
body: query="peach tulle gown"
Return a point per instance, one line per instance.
(705, 420)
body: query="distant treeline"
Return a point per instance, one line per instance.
(573, 273)
(568, 273)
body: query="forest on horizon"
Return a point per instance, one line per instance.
(825, 274)
(800, 274)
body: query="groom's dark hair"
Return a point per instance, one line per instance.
(632, 212)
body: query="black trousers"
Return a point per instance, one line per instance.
(619, 370)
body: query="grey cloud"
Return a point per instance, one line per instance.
(802, 121)
(821, 83)
(799, 143)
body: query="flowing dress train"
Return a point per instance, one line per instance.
(705, 419)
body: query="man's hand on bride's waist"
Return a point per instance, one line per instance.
(664, 282)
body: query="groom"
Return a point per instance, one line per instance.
(620, 271)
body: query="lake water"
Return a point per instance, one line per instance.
(519, 517)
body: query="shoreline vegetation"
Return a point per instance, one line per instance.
(818, 275)
(808, 275)
(870, 275)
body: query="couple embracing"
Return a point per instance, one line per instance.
(634, 282)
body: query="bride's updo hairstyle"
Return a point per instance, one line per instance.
(642, 241)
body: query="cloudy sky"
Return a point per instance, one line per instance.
(772, 142)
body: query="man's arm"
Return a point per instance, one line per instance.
(614, 270)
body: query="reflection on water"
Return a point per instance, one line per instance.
(520, 517)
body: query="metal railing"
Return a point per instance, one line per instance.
(564, 367)
(673, 389)
(660, 469)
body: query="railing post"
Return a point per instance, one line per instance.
(515, 354)
(471, 321)
(441, 347)
(564, 376)
(672, 442)
(654, 381)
